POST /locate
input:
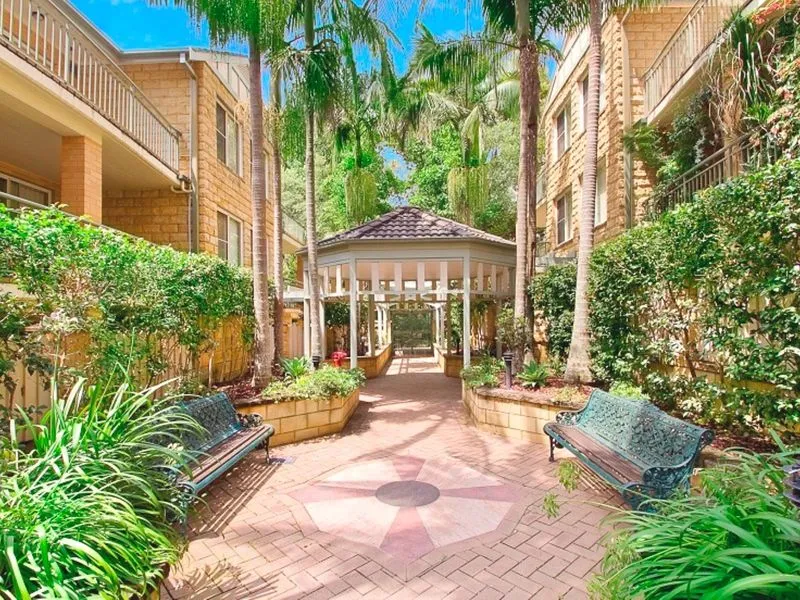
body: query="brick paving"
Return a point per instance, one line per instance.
(253, 535)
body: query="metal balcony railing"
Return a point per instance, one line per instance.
(700, 28)
(293, 229)
(42, 34)
(746, 153)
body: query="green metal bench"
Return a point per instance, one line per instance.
(227, 439)
(633, 445)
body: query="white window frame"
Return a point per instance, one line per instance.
(564, 112)
(226, 256)
(601, 193)
(583, 88)
(10, 179)
(231, 156)
(566, 197)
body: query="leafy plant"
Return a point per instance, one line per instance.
(533, 375)
(626, 389)
(569, 396)
(483, 373)
(294, 368)
(323, 384)
(85, 507)
(553, 293)
(739, 539)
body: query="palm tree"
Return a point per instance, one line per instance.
(578, 362)
(257, 22)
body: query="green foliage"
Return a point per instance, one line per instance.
(295, 368)
(85, 507)
(467, 191)
(483, 373)
(713, 282)
(569, 474)
(553, 293)
(569, 396)
(533, 375)
(133, 301)
(550, 505)
(739, 539)
(512, 330)
(323, 384)
(361, 195)
(432, 163)
(626, 389)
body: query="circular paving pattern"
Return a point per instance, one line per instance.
(407, 493)
(408, 506)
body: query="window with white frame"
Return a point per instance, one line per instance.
(583, 88)
(602, 87)
(22, 189)
(564, 218)
(561, 133)
(229, 239)
(601, 195)
(228, 139)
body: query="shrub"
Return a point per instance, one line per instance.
(626, 389)
(740, 538)
(483, 373)
(533, 375)
(553, 293)
(294, 368)
(323, 384)
(132, 301)
(85, 507)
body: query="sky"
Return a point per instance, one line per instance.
(138, 24)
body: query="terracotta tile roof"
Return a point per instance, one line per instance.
(412, 223)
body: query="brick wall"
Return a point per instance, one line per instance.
(82, 176)
(159, 216)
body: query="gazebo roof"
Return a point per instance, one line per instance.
(409, 223)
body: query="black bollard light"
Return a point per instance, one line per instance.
(508, 357)
(315, 360)
(793, 484)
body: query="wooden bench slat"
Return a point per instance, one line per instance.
(622, 469)
(223, 452)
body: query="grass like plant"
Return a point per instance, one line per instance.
(739, 539)
(85, 509)
(533, 375)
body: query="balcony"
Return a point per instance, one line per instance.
(294, 230)
(686, 52)
(48, 38)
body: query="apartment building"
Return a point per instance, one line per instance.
(653, 61)
(152, 143)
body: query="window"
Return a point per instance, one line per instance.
(16, 187)
(564, 219)
(601, 197)
(229, 239)
(584, 90)
(602, 87)
(561, 132)
(228, 139)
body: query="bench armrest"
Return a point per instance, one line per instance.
(250, 421)
(568, 417)
(668, 477)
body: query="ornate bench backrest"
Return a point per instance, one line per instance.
(216, 415)
(640, 431)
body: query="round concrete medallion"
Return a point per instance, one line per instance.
(407, 493)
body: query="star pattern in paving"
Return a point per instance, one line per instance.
(408, 506)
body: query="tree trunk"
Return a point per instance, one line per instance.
(578, 362)
(311, 208)
(277, 211)
(262, 360)
(533, 146)
(527, 150)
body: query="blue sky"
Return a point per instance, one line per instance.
(136, 24)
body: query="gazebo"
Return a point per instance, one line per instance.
(408, 257)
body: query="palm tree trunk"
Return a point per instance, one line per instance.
(311, 208)
(578, 362)
(277, 211)
(527, 149)
(262, 360)
(533, 137)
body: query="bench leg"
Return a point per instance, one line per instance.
(552, 449)
(266, 449)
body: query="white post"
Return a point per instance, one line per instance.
(353, 315)
(323, 333)
(420, 278)
(480, 277)
(376, 285)
(493, 278)
(371, 324)
(398, 278)
(326, 282)
(307, 328)
(339, 288)
(443, 279)
(466, 341)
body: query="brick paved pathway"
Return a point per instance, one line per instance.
(331, 520)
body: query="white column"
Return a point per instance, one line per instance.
(353, 315)
(420, 278)
(466, 335)
(326, 282)
(307, 328)
(323, 331)
(376, 284)
(398, 278)
(493, 278)
(339, 287)
(371, 325)
(480, 277)
(443, 279)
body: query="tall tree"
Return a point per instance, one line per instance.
(578, 362)
(277, 207)
(256, 22)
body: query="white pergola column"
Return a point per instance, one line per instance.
(339, 288)
(353, 314)
(372, 335)
(306, 328)
(467, 341)
(323, 331)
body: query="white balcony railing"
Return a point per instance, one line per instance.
(294, 229)
(41, 33)
(700, 28)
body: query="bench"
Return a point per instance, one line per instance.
(225, 441)
(633, 445)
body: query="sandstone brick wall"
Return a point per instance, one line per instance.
(641, 35)
(159, 216)
(82, 176)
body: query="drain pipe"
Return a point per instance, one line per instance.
(194, 220)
